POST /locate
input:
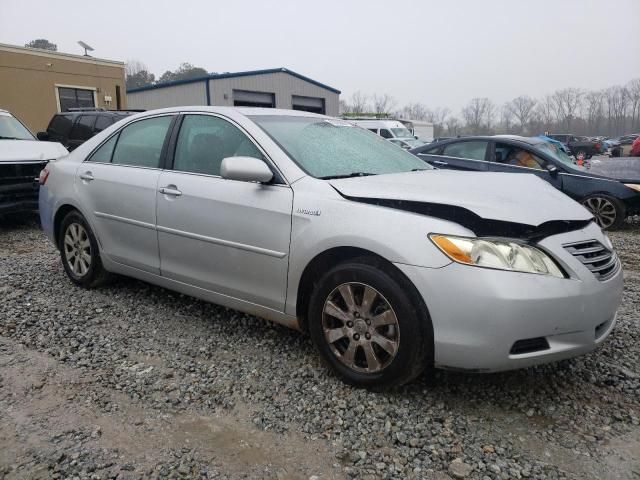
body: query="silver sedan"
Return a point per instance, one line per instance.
(313, 223)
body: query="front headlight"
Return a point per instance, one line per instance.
(500, 254)
(633, 186)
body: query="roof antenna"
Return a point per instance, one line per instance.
(86, 48)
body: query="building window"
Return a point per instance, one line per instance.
(245, 98)
(308, 104)
(75, 98)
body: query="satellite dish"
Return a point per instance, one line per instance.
(87, 48)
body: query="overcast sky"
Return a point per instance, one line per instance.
(441, 53)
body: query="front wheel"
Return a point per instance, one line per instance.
(79, 251)
(369, 326)
(609, 212)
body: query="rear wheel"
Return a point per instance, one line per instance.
(609, 212)
(369, 325)
(79, 252)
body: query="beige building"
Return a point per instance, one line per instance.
(35, 84)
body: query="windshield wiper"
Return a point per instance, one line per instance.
(11, 138)
(347, 175)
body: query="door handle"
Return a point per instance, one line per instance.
(86, 176)
(440, 162)
(170, 190)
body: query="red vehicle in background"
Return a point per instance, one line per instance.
(635, 148)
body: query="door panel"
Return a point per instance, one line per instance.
(122, 201)
(227, 236)
(118, 185)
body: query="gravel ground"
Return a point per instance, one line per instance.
(133, 381)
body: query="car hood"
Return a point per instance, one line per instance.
(623, 169)
(30, 150)
(507, 197)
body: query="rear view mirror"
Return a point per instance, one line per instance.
(245, 169)
(42, 136)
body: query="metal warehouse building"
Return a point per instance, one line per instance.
(273, 88)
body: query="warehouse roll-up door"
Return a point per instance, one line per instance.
(244, 98)
(308, 104)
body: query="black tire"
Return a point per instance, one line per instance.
(95, 275)
(619, 207)
(414, 350)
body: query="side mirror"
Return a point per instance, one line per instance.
(44, 136)
(552, 169)
(245, 169)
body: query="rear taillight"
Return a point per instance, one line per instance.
(44, 175)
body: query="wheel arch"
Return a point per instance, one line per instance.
(326, 260)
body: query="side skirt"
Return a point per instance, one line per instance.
(203, 294)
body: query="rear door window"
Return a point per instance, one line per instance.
(140, 144)
(83, 128)
(474, 150)
(102, 122)
(60, 125)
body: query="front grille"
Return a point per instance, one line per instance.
(600, 261)
(529, 345)
(19, 182)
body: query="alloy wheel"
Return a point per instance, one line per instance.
(77, 249)
(361, 327)
(603, 210)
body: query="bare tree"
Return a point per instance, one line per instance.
(137, 74)
(437, 116)
(384, 103)
(616, 102)
(522, 107)
(414, 111)
(633, 90)
(506, 118)
(478, 115)
(546, 112)
(359, 102)
(453, 126)
(567, 102)
(343, 107)
(594, 109)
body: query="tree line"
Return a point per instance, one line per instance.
(611, 111)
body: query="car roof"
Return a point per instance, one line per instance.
(245, 111)
(100, 112)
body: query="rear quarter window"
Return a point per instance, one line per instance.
(61, 124)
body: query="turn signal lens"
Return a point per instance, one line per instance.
(501, 254)
(44, 175)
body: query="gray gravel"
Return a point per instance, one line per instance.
(133, 381)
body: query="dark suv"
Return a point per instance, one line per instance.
(73, 128)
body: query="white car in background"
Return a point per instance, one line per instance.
(22, 157)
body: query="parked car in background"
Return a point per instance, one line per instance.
(22, 157)
(407, 143)
(385, 128)
(635, 148)
(419, 129)
(579, 146)
(390, 265)
(75, 127)
(610, 200)
(626, 143)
